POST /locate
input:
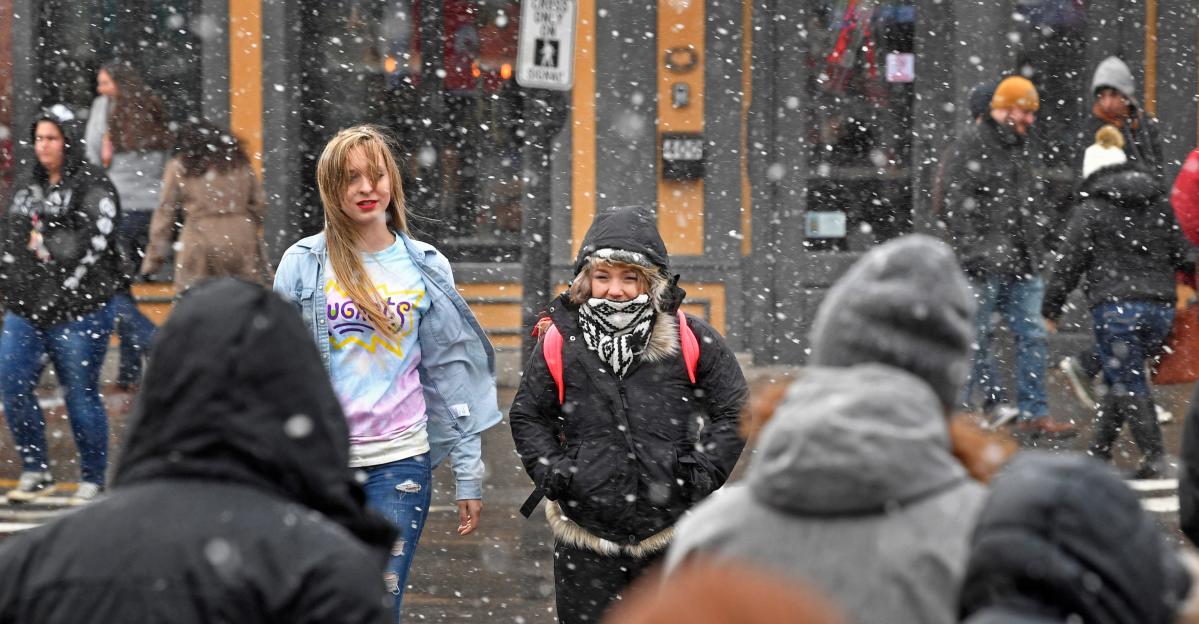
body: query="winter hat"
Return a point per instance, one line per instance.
(1016, 92)
(980, 98)
(629, 235)
(906, 304)
(1114, 73)
(1107, 151)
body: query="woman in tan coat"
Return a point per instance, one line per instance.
(221, 205)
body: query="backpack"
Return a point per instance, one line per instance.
(551, 350)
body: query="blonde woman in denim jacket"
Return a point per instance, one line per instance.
(412, 367)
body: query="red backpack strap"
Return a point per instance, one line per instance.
(688, 342)
(551, 350)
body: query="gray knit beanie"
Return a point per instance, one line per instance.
(906, 304)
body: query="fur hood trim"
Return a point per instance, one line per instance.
(664, 341)
(568, 532)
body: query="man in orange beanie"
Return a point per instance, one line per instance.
(995, 223)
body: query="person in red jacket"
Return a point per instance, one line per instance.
(1184, 197)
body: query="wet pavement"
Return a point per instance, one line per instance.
(504, 572)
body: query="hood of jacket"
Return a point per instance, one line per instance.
(1063, 535)
(235, 391)
(630, 228)
(1124, 185)
(74, 154)
(854, 440)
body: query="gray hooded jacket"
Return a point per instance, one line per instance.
(853, 489)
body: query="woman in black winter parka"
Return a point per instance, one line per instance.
(629, 441)
(1122, 236)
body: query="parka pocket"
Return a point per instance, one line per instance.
(696, 477)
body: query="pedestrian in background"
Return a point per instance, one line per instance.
(232, 501)
(628, 433)
(211, 187)
(995, 224)
(413, 369)
(1123, 239)
(1184, 197)
(854, 487)
(1115, 104)
(1062, 539)
(58, 278)
(127, 134)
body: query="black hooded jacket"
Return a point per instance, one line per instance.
(1062, 536)
(77, 267)
(1123, 237)
(233, 501)
(995, 211)
(624, 458)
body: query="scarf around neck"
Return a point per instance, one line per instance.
(617, 331)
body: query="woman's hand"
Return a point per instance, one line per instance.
(1051, 326)
(468, 515)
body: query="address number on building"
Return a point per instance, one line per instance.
(682, 156)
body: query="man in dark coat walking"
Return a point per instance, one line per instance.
(995, 225)
(233, 501)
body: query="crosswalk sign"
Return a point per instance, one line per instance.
(545, 54)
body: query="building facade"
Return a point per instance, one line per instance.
(777, 139)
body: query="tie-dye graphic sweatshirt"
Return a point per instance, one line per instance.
(376, 375)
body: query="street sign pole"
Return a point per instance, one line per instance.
(545, 68)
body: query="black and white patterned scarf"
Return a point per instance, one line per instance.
(617, 331)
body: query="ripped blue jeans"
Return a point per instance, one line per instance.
(401, 492)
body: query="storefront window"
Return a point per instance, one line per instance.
(160, 39)
(861, 68)
(364, 66)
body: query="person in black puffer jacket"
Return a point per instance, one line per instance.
(1122, 236)
(633, 441)
(1062, 539)
(232, 501)
(59, 270)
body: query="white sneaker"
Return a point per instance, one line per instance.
(30, 486)
(1163, 416)
(1002, 415)
(86, 493)
(1079, 384)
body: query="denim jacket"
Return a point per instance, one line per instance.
(457, 368)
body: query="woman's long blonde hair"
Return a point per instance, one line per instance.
(333, 178)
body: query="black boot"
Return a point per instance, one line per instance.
(1108, 422)
(1148, 435)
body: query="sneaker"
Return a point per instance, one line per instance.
(1163, 416)
(1160, 468)
(30, 486)
(1046, 427)
(1001, 415)
(1079, 382)
(86, 493)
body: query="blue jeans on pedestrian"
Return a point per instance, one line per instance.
(401, 491)
(76, 348)
(1018, 300)
(134, 330)
(1127, 333)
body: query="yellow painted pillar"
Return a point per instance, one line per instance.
(245, 77)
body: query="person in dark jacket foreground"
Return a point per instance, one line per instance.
(1062, 539)
(232, 501)
(1123, 238)
(854, 487)
(58, 274)
(633, 441)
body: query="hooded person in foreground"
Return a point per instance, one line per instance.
(232, 502)
(1063, 539)
(854, 488)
